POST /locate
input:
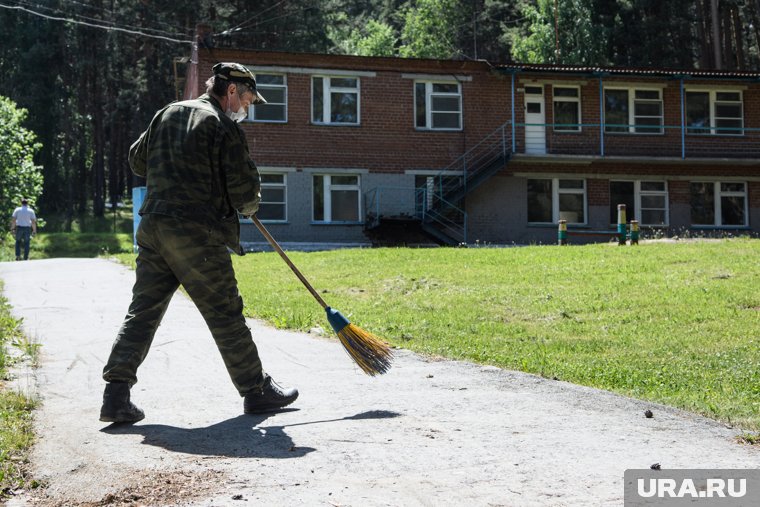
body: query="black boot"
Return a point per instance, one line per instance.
(116, 405)
(271, 397)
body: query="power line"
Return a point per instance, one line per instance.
(260, 13)
(98, 20)
(287, 14)
(93, 25)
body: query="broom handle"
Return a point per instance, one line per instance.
(292, 266)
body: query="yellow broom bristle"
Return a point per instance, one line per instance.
(372, 354)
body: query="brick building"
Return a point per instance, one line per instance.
(471, 151)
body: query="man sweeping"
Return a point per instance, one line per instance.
(199, 176)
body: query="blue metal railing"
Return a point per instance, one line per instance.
(636, 140)
(474, 161)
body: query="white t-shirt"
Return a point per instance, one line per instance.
(24, 216)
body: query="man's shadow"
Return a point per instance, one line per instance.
(239, 437)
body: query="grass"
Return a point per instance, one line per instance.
(61, 244)
(16, 434)
(675, 323)
(81, 235)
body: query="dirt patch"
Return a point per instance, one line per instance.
(147, 489)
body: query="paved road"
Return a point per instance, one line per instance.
(428, 433)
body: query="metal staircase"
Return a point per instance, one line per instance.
(443, 215)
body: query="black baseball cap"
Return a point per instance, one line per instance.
(238, 73)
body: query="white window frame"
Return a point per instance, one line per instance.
(263, 88)
(632, 111)
(328, 187)
(713, 129)
(556, 192)
(638, 194)
(327, 91)
(284, 187)
(429, 94)
(717, 194)
(576, 100)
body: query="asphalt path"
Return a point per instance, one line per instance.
(429, 433)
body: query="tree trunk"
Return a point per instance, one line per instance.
(754, 8)
(716, 40)
(703, 34)
(728, 56)
(736, 30)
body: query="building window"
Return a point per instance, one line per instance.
(337, 198)
(645, 201)
(714, 112)
(552, 200)
(437, 106)
(335, 100)
(567, 109)
(273, 207)
(720, 204)
(634, 111)
(274, 88)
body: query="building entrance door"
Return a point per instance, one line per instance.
(535, 118)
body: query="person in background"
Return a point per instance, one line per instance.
(23, 225)
(194, 158)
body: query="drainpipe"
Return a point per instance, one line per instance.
(514, 140)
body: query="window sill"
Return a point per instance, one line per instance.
(336, 124)
(263, 221)
(336, 223)
(653, 134)
(710, 134)
(419, 129)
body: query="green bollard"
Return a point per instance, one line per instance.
(634, 232)
(562, 232)
(621, 230)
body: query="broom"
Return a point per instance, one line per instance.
(370, 353)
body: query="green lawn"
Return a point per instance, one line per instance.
(62, 244)
(677, 323)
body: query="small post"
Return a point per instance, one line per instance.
(562, 232)
(621, 224)
(634, 232)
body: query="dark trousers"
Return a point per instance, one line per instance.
(173, 252)
(23, 237)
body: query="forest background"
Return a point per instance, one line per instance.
(90, 74)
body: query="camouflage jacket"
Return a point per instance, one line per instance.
(196, 164)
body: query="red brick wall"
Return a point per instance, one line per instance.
(386, 140)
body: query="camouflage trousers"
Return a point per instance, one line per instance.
(173, 251)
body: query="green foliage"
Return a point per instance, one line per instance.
(19, 175)
(568, 35)
(373, 38)
(430, 29)
(15, 412)
(379, 39)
